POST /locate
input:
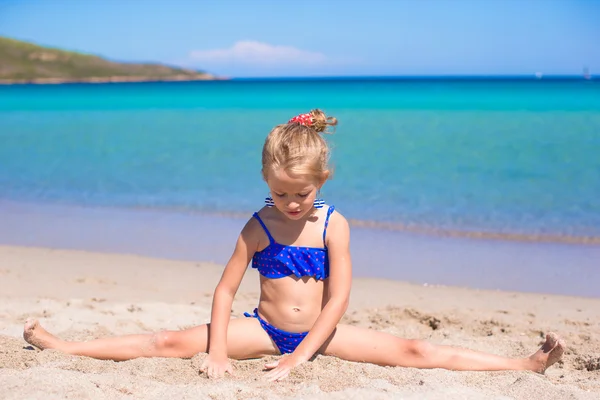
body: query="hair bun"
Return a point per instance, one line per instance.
(321, 122)
(315, 119)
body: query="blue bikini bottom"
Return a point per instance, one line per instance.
(286, 342)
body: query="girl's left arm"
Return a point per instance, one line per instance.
(340, 281)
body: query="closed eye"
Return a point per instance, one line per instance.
(303, 194)
(279, 194)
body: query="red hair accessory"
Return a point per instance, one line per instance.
(304, 119)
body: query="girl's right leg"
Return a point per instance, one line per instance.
(245, 339)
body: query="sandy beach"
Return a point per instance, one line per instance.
(81, 295)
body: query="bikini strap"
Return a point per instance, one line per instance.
(271, 240)
(329, 212)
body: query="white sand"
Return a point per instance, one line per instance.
(80, 295)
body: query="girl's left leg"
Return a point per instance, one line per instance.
(365, 345)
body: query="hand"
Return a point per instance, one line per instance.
(216, 366)
(281, 368)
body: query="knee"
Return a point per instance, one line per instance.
(163, 340)
(419, 348)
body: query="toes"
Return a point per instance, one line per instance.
(31, 324)
(558, 351)
(552, 338)
(29, 332)
(551, 342)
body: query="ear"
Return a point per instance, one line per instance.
(323, 179)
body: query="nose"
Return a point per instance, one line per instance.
(293, 204)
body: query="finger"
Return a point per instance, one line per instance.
(270, 374)
(230, 369)
(213, 373)
(278, 376)
(272, 365)
(283, 376)
(271, 377)
(273, 374)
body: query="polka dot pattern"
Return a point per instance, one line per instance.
(303, 119)
(286, 342)
(278, 261)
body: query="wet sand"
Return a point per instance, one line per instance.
(571, 269)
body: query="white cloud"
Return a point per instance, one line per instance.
(258, 53)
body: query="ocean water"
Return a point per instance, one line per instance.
(512, 158)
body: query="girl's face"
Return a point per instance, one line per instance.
(293, 196)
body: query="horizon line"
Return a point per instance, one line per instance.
(425, 77)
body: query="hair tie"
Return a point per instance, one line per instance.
(303, 119)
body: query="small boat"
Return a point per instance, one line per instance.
(586, 74)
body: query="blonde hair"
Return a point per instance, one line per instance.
(298, 148)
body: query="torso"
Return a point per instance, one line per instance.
(292, 303)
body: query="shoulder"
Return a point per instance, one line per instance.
(252, 226)
(338, 227)
(336, 217)
(251, 232)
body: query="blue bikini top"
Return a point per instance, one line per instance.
(278, 260)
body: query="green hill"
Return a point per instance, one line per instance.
(23, 62)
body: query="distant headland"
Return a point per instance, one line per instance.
(24, 62)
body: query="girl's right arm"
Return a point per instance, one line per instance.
(217, 362)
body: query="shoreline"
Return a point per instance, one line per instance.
(405, 228)
(483, 235)
(212, 271)
(421, 259)
(83, 295)
(111, 79)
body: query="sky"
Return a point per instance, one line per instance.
(280, 38)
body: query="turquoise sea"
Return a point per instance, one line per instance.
(421, 167)
(513, 157)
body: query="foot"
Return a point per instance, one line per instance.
(37, 336)
(550, 352)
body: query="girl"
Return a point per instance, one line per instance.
(301, 250)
